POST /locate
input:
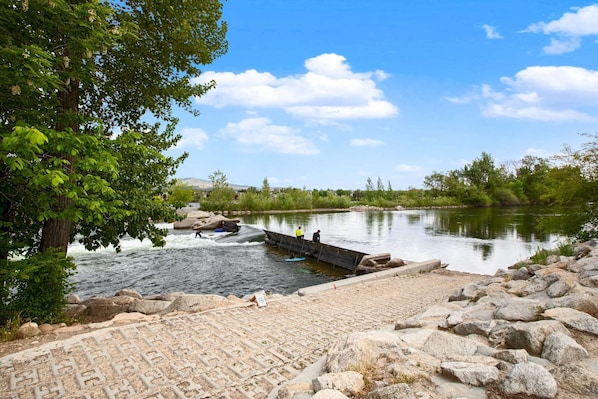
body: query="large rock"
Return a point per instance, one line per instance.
(580, 378)
(402, 391)
(520, 309)
(583, 301)
(196, 303)
(574, 319)
(445, 346)
(101, 309)
(348, 382)
(561, 349)
(147, 306)
(360, 348)
(529, 379)
(531, 336)
(471, 373)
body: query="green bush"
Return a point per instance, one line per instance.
(35, 288)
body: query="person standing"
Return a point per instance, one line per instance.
(316, 236)
(299, 233)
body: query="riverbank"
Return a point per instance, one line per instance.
(529, 331)
(236, 351)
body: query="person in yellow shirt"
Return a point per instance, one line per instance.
(299, 233)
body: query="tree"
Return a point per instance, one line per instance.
(70, 72)
(222, 194)
(265, 188)
(180, 194)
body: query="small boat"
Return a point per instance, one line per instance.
(294, 259)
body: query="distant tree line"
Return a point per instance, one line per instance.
(567, 179)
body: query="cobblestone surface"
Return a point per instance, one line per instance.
(238, 352)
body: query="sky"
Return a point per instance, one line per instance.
(325, 94)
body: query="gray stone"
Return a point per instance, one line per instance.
(471, 373)
(520, 309)
(589, 281)
(129, 292)
(574, 319)
(359, 348)
(560, 349)
(146, 306)
(513, 356)
(447, 346)
(580, 378)
(529, 379)
(347, 382)
(531, 336)
(583, 301)
(402, 391)
(447, 388)
(560, 288)
(534, 285)
(521, 274)
(467, 292)
(28, 330)
(329, 394)
(475, 327)
(106, 308)
(196, 303)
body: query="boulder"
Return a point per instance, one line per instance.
(574, 319)
(402, 391)
(531, 336)
(101, 309)
(357, 349)
(28, 330)
(445, 346)
(580, 378)
(561, 349)
(520, 309)
(471, 373)
(529, 379)
(348, 382)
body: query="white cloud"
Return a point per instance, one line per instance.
(562, 46)
(366, 143)
(257, 134)
(491, 32)
(569, 29)
(546, 93)
(193, 137)
(329, 90)
(582, 22)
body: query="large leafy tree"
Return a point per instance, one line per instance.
(70, 73)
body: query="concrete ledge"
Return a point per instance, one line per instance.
(410, 268)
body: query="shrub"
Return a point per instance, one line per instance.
(36, 288)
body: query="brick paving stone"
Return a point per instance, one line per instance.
(235, 353)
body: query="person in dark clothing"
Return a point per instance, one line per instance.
(316, 236)
(198, 233)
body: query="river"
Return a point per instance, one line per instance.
(479, 240)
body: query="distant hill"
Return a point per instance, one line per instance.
(200, 184)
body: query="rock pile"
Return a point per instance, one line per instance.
(129, 306)
(529, 331)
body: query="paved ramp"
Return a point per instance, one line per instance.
(239, 352)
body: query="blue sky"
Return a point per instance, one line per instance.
(324, 94)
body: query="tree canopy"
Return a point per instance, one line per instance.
(80, 80)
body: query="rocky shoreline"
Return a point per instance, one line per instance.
(527, 332)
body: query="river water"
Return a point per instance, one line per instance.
(471, 240)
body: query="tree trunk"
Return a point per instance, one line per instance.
(56, 232)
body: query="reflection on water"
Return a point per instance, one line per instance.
(479, 240)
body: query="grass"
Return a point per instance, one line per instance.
(562, 249)
(8, 332)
